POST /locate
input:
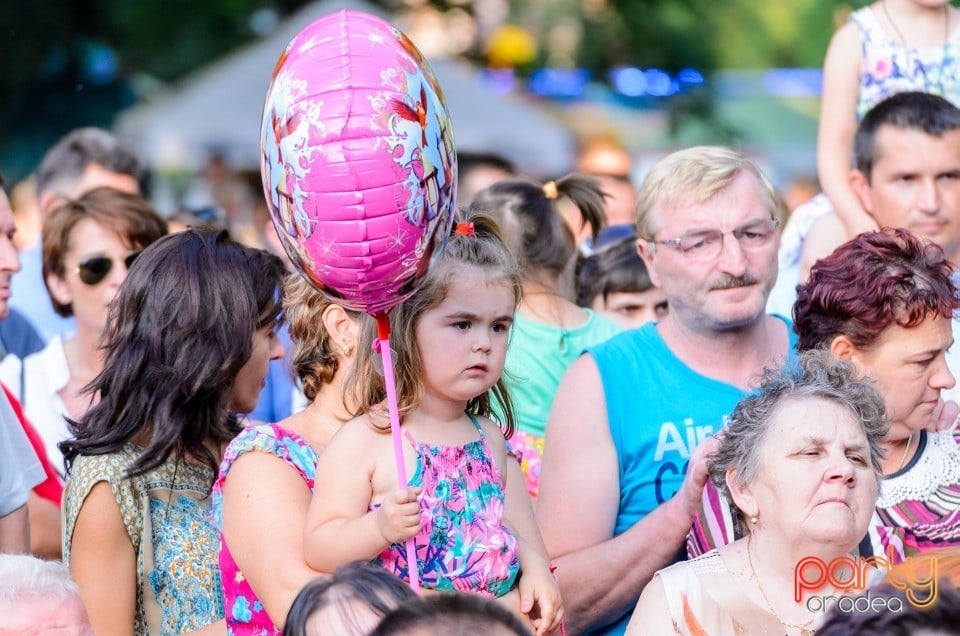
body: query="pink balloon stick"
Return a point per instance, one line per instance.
(412, 567)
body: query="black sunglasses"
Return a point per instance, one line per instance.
(94, 269)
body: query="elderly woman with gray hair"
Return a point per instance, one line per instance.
(800, 458)
(38, 597)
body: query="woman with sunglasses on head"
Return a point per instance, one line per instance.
(188, 344)
(88, 244)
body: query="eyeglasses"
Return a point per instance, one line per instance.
(94, 269)
(705, 246)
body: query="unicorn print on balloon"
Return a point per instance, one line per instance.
(420, 143)
(291, 130)
(358, 161)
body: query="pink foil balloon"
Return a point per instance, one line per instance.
(358, 161)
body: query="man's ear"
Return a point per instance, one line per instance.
(861, 187)
(647, 252)
(48, 202)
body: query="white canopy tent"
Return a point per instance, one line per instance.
(219, 108)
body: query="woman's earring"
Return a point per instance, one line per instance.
(753, 521)
(345, 350)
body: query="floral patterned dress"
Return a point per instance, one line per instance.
(166, 513)
(463, 544)
(244, 611)
(888, 67)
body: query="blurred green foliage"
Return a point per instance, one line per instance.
(71, 63)
(75, 62)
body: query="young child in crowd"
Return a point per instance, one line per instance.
(888, 47)
(350, 602)
(473, 528)
(549, 330)
(615, 283)
(450, 614)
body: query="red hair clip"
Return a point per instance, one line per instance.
(465, 229)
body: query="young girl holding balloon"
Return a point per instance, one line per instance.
(466, 506)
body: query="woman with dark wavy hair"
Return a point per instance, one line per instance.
(188, 343)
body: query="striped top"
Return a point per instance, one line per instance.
(918, 508)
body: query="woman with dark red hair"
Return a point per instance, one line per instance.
(885, 301)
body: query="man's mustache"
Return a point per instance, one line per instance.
(729, 282)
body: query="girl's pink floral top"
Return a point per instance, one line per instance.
(463, 544)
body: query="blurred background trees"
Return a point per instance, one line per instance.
(80, 62)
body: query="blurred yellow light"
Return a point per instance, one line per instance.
(511, 46)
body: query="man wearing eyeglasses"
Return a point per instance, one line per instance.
(632, 423)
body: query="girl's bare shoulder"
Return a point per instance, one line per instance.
(493, 433)
(367, 429)
(846, 39)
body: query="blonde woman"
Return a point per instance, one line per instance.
(266, 478)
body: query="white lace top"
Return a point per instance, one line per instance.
(919, 506)
(937, 465)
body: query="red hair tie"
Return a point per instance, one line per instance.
(465, 229)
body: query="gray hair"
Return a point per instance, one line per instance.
(24, 577)
(695, 175)
(65, 162)
(817, 374)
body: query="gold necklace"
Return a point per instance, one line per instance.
(928, 87)
(906, 451)
(805, 628)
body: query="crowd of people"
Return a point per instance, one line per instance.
(664, 408)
